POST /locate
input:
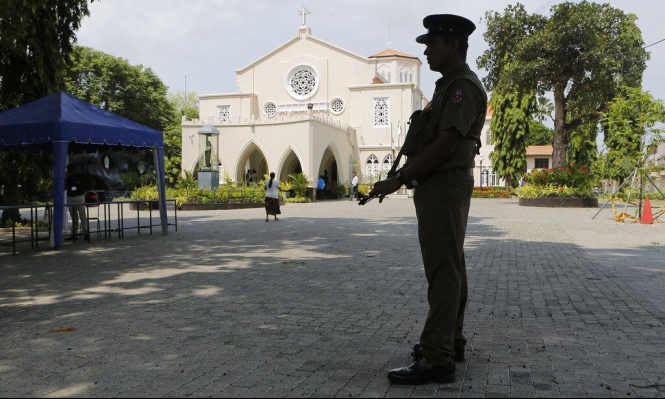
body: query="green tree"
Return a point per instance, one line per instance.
(115, 85)
(580, 52)
(632, 122)
(582, 148)
(131, 91)
(187, 104)
(510, 127)
(36, 39)
(539, 134)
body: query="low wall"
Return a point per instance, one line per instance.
(222, 207)
(560, 202)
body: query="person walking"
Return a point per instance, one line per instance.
(76, 195)
(272, 197)
(441, 146)
(354, 187)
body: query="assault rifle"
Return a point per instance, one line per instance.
(367, 198)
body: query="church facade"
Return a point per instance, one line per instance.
(312, 107)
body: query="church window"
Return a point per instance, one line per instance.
(381, 112)
(387, 163)
(337, 106)
(270, 109)
(372, 166)
(302, 82)
(405, 77)
(224, 113)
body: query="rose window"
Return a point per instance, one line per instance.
(337, 106)
(302, 82)
(270, 109)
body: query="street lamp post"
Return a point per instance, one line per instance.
(480, 158)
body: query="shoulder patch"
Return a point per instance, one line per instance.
(458, 96)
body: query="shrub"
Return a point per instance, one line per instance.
(553, 191)
(300, 184)
(571, 176)
(145, 193)
(224, 194)
(298, 200)
(569, 182)
(364, 189)
(490, 192)
(340, 190)
(286, 186)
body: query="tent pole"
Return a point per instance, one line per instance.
(161, 187)
(59, 160)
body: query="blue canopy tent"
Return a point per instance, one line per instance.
(61, 123)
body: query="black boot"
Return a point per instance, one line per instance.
(459, 353)
(423, 372)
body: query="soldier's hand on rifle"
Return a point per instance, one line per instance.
(385, 187)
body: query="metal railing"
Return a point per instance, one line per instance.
(109, 219)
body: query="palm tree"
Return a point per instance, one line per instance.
(544, 109)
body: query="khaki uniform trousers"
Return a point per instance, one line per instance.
(78, 212)
(442, 207)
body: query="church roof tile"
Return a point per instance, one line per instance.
(392, 53)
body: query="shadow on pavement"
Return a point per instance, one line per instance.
(223, 306)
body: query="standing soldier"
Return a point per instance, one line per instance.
(441, 146)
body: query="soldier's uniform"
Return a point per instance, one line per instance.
(442, 207)
(442, 199)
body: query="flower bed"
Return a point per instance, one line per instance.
(560, 187)
(228, 196)
(490, 192)
(225, 194)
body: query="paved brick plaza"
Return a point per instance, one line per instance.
(324, 302)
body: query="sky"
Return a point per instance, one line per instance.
(198, 45)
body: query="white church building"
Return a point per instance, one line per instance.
(310, 106)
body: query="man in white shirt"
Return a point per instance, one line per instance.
(354, 186)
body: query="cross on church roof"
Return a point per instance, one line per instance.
(304, 12)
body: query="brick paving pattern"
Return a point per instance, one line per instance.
(324, 302)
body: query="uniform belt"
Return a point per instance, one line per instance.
(453, 171)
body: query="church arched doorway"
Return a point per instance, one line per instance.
(328, 170)
(252, 160)
(290, 166)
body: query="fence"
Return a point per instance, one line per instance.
(108, 218)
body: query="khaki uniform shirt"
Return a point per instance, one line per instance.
(463, 107)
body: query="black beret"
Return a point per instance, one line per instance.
(440, 24)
